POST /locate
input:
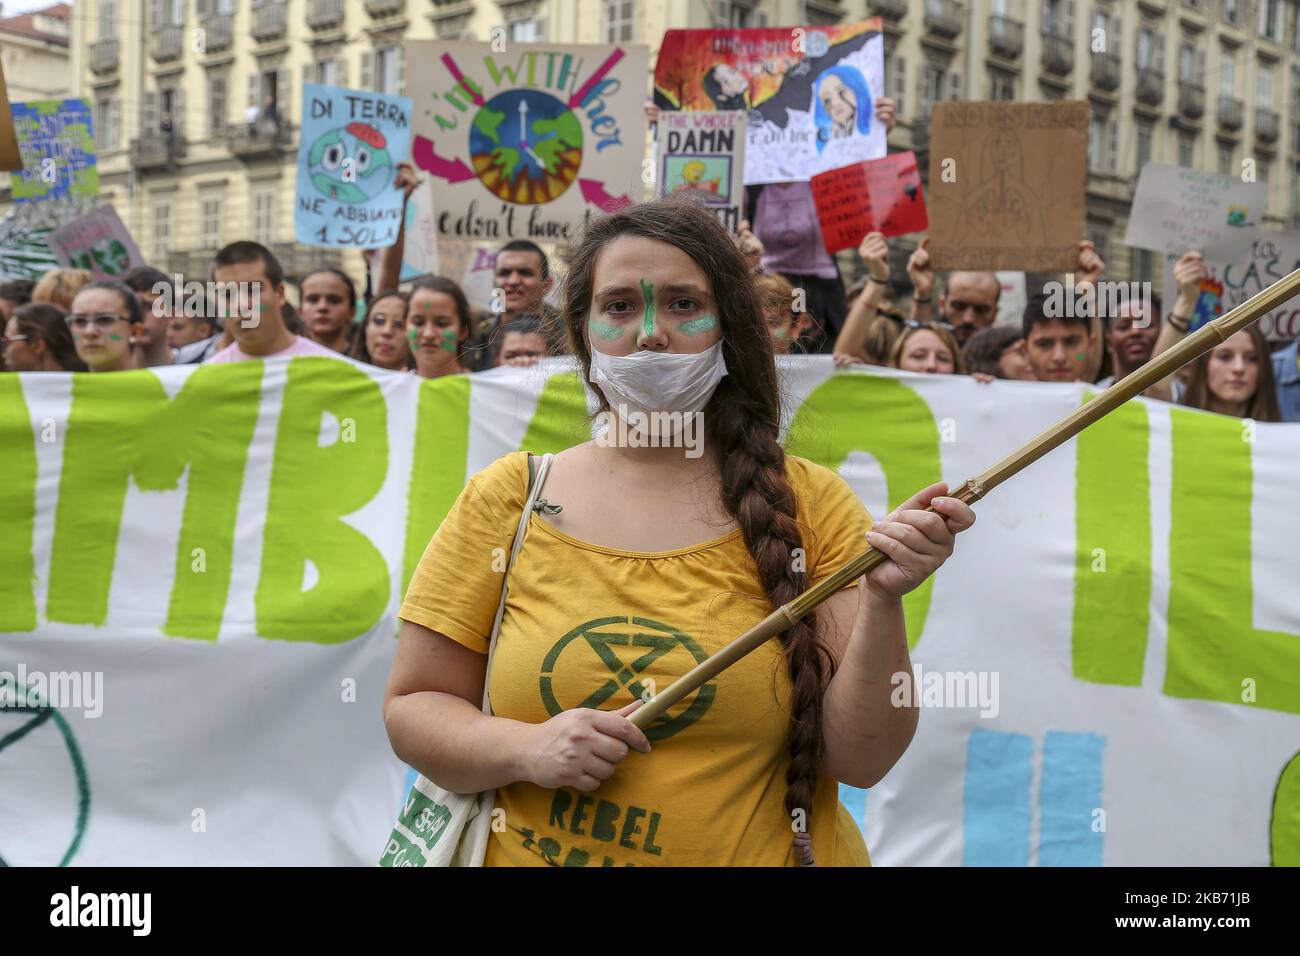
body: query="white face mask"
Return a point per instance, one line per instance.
(658, 381)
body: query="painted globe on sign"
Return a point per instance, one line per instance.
(526, 146)
(351, 164)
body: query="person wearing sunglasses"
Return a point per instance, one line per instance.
(927, 347)
(36, 339)
(105, 320)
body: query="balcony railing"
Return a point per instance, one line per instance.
(103, 56)
(943, 18)
(218, 32)
(1006, 37)
(1105, 71)
(269, 20)
(156, 150)
(323, 14)
(166, 43)
(384, 8)
(1266, 123)
(1058, 53)
(1191, 99)
(260, 140)
(1150, 86)
(1229, 112)
(889, 9)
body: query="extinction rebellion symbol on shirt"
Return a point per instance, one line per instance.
(627, 646)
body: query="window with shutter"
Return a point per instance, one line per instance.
(178, 112)
(254, 88)
(400, 55)
(155, 14)
(149, 113)
(367, 69)
(900, 84)
(284, 94)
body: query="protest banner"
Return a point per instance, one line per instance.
(1007, 184)
(810, 92)
(1175, 209)
(351, 143)
(705, 153)
(1233, 280)
(11, 159)
(57, 145)
(98, 242)
(879, 195)
(200, 585)
(528, 144)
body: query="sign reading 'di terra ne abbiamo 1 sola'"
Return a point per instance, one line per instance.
(351, 143)
(529, 141)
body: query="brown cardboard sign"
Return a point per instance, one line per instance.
(1007, 185)
(10, 159)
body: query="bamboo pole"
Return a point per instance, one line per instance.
(973, 489)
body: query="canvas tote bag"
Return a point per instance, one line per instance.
(438, 827)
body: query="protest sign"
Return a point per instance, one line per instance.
(1176, 209)
(705, 153)
(1007, 184)
(880, 195)
(227, 547)
(810, 92)
(11, 159)
(57, 145)
(528, 144)
(98, 242)
(1012, 299)
(351, 143)
(419, 240)
(1232, 280)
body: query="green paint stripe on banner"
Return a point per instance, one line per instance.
(18, 505)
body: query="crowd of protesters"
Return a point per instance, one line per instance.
(68, 321)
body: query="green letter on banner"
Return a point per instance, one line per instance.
(1215, 652)
(439, 462)
(123, 426)
(312, 489)
(1284, 827)
(884, 417)
(560, 420)
(18, 506)
(1112, 565)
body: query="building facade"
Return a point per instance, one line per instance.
(1203, 83)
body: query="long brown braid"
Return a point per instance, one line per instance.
(742, 422)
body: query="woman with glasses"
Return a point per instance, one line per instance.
(104, 320)
(926, 347)
(382, 340)
(36, 339)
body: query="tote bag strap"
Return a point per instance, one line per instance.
(535, 487)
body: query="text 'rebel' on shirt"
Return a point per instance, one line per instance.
(593, 626)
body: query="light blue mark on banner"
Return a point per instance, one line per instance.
(1069, 793)
(855, 801)
(997, 812)
(411, 776)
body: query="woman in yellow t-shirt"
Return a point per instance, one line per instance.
(659, 557)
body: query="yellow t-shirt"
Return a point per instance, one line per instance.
(591, 626)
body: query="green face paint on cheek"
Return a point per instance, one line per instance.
(115, 337)
(449, 338)
(781, 334)
(607, 332)
(648, 296)
(705, 323)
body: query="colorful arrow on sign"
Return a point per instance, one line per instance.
(594, 193)
(452, 170)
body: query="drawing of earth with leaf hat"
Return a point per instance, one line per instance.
(526, 146)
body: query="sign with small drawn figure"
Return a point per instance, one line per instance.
(352, 141)
(527, 140)
(98, 242)
(705, 154)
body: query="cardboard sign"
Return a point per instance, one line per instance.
(705, 154)
(351, 143)
(810, 92)
(881, 195)
(1234, 279)
(530, 143)
(1007, 183)
(57, 145)
(1176, 209)
(11, 159)
(98, 242)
